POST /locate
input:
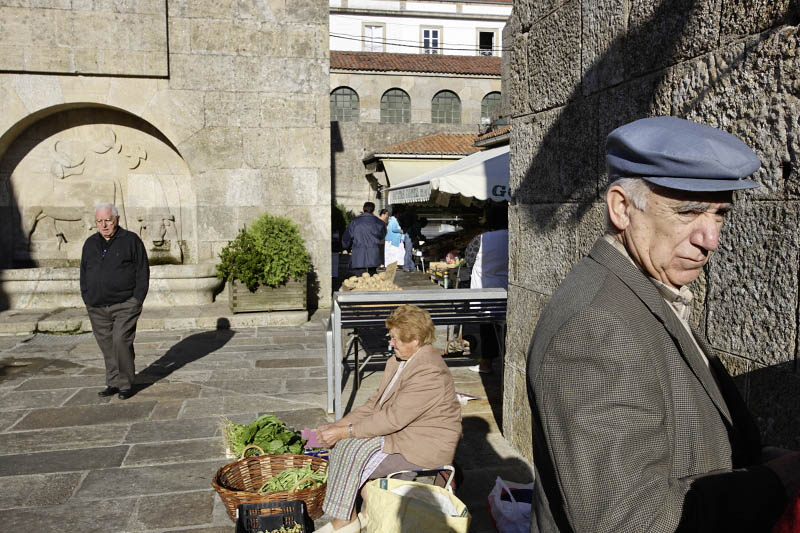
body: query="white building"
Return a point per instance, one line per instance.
(451, 27)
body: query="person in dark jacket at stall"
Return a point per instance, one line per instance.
(364, 235)
(115, 276)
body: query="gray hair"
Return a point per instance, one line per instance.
(637, 190)
(106, 205)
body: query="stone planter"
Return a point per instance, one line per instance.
(291, 296)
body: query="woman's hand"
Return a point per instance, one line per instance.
(330, 434)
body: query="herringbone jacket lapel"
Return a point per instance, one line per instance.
(605, 254)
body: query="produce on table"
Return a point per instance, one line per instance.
(267, 432)
(365, 282)
(294, 479)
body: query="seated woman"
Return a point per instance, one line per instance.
(412, 421)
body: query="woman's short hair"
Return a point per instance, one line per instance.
(411, 322)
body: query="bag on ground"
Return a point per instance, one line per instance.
(397, 506)
(510, 506)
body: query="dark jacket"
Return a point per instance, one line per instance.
(116, 275)
(365, 235)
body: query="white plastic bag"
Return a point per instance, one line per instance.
(510, 515)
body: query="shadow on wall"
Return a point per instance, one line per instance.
(337, 146)
(562, 169)
(778, 418)
(562, 150)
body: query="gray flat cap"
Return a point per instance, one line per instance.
(680, 154)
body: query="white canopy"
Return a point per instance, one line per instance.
(480, 176)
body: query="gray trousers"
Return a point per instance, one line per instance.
(114, 328)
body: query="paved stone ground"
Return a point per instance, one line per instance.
(71, 461)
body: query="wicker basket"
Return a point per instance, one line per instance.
(237, 483)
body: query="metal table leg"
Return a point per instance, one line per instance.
(329, 363)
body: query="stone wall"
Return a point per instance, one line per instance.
(576, 70)
(350, 141)
(210, 113)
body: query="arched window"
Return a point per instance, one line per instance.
(395, 106)
(344, 105)
(446, 108)
(490, 106)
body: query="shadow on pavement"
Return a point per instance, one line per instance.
(187, 350)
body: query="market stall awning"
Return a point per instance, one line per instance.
(480, 176)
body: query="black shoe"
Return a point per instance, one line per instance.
(125, 394)
(108, 391)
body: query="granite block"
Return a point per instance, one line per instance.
(94, 518)
(180, 451)
(774, 399)
(62, 460)
(62, 382)
(554, 57)
(530, 304)
(746, 272)
(89, 415)
(739, 18)
(38, 490)
(172, 430)
(182, 510)
(146, 480)
(603, 27)
(553, 242)
(664, 33)
(34, 399)
(68, 438)
(552, 162)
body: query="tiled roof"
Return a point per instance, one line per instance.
(494, 133)
(384, 62)
(437, 144)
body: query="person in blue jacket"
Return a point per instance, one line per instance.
(394, 249)
(364, 235)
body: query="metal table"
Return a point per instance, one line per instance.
(355, 308)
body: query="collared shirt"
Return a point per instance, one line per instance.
(679, 300)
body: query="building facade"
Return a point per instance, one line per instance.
(449, 27)
(379, 99)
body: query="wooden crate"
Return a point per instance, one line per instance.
(289, 297)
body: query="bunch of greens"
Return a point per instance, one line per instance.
(294, 479)
(268, 432)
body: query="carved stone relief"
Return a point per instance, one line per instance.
(65, 164)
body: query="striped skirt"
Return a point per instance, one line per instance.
(351, 463)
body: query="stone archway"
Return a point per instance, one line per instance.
(59, 167)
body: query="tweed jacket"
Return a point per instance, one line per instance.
(421, 417)
(633, 432)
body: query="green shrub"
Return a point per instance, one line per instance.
(340, 218)
(269, 253)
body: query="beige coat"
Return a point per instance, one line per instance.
(421, 418)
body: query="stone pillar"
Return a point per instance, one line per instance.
(576, 70)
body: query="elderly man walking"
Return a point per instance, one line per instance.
(637, 425)
(114, 280)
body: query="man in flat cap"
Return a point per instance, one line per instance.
(637, 426)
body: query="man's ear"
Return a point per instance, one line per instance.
(618, 202)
